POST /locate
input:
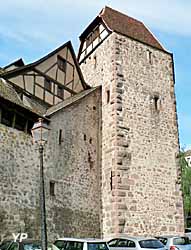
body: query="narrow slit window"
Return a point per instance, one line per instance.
(95, 62)
(108, 96)
(111, 180)
(149, 56)
(156, 103)
(60, 137)
(52, 188)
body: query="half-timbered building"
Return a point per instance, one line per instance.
(110, 163)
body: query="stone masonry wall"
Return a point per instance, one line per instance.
(19, 185)
(73, 165)
(139, 152)
(103, 73)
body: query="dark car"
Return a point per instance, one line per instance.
(23, 245)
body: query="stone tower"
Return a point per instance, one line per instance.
(140, 189)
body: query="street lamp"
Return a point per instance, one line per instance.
(40, 136)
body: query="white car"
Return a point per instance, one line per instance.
(79, 244)
(135, 243)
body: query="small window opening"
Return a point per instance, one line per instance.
(149, 56)
(111, 180)
(94, 107)
(60, 137)
(156, 103)
(47, 84)
(7, 117)
(90, 140)
(90, 160)
(52, 188)
(20, 122)
(108, 96)
(84, 137)
(62, 63)
(95, 62)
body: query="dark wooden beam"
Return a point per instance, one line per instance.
(55, 81)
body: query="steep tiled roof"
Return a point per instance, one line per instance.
(125, 25)
(8, 92)
(128, 26)
(18, 63)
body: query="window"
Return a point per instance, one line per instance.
(60, 137)
(47, 84)
(5, 245)
(60, 91)
(181, 241)
(108, 96)
(52, 188)
(98, 34)
(95, 33)
(68, 245)
(14, 246)
(113, 243)
(89, 40)
(95, 61)
(122, 243)
(131, 243)
(32, 246)
(97, 246)
(62, 63)
(163, 240)
(7, 117)
(156, 102)
(149, 56)
(20, 122)
(152, 243)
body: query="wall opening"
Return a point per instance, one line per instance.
(60, 137)
(84, 137)
(95, 62)
(149, 56)
(108, 96)
(156, 102)
(52, 188)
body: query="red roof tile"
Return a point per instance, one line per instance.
(121, 23)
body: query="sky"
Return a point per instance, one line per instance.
(31, 29)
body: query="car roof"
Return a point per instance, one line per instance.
(82, 239)
(171, 236)
(134, 238)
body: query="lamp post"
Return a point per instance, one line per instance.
(40, 136)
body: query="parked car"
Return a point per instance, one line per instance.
(135, 243)
(176, 242)
(188, 233)
(23, 245)
(79, 244)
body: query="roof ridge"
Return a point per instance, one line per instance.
(38, 60)
(121, 13)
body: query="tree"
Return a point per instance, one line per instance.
(186, 185)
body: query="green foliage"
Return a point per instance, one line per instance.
(186, 183)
